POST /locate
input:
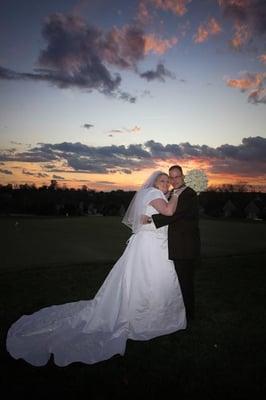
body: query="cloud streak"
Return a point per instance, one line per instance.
(249, 157)
(5, 172)
(36, 174)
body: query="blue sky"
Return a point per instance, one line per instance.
(102, 93)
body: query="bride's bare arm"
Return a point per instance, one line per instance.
(164, 207)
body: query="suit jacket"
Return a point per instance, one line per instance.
(183, 229)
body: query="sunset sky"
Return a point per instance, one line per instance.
(101, 93)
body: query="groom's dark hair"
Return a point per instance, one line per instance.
(176, 167)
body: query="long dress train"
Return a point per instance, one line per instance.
(139, 299)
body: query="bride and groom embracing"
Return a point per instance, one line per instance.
(148, 292)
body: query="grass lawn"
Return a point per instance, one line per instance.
(221, 355)
(45, 242)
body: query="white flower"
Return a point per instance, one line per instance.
(197, 180)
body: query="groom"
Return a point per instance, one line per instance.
(183, 236)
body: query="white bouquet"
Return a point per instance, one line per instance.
(197, 180)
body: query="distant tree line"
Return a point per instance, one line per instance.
(218, 202)
(55, 200)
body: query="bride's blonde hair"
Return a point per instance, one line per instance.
(156, 180)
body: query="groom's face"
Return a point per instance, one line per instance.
(176, 178)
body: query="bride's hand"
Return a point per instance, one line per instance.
(168, 194)
(145, 219)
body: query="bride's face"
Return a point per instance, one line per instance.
(162, 183)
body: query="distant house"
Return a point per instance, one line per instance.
(59, 208)
(252, 211)
(229, 208)
(91, 209)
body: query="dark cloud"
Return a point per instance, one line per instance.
(251, 13)
(86, 164)
(257, 96)
(182, 150)
(125, 171)
(250, 155)
(237, 167)
(82, 56)
(110, 157)
(37, 154)
(58, 177)
(159, 74)
(127, 97)
(75, 50)
(27, 172)
(83, 79)
(37, 174)
(88, 126)
(7, 74)
(79, 55)
(5, 171)
(158, 150)
(49, 166)
(252, 149)
(105, 183)
(124, 47)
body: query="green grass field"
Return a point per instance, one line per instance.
(44, 242)
(47, 261)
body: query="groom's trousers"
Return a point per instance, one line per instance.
(185, 270)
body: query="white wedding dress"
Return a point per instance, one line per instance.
(139, 299)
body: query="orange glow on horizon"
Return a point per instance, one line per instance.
(117, 180)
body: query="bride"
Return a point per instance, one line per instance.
(140, 298)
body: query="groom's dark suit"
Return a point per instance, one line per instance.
(184, 243)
